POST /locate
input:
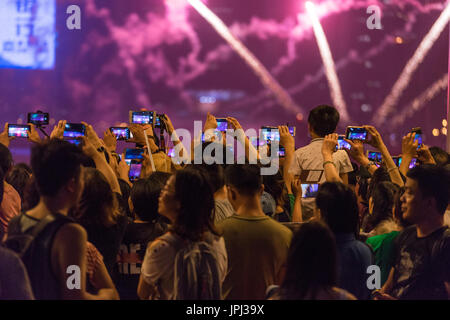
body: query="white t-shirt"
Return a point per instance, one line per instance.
(159, 262)
(310, 158)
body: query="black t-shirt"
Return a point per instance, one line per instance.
(107, 240)
(422, 265)
(132, 252)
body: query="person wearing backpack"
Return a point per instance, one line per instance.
(51, 245)
(189, 262)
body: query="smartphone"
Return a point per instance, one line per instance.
(411, 165)
(158, 120)
(356, 133)
(342, 144)
(135, 170)
(281, 152)
(19, 130)
(374, 156)
(38, 118)
(76, 142)
(142, 117)
(134, 154)
(222, 124)
(121, 133)
(269, 134)
(418, 136)
(74, 130)
(292, 131)
(310, 190)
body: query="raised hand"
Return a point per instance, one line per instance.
(4, 139)
(110, 140)
(329, 144)
(58, 130)
(34, 135)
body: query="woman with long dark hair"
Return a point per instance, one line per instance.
(187, 201)
(311, 272)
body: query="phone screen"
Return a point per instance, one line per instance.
(222, 125)
(74, 130)
(142, 117)
(309, 190)
(133, 154)
(121, 133)
(18, 130)
(270, 134)
(292, 131)
(38, 118)
(356, 133)
(418, 138)
(135, 171)
(342, 144)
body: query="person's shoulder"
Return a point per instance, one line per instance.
(70, 231)
(279, 227)
(407, 233)
(162, 245)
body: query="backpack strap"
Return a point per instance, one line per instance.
(36, 230)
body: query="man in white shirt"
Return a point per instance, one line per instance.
(322, 121)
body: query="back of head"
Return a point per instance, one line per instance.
(196, 211)
(440, 156)
(215, 173)
(18, 177)
(338, 207)
(379, 176)
(98, 205)
(311, 262)
(246, 178)
(54, 164)
(433, 181)
(323, 120)
(145, 194)
(383, 197)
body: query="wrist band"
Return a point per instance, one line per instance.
(327, 162)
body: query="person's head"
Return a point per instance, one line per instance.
(311, 262)
(31, 195)
(397, 210)
(145, 194)
(215, 173)
(336, 205)
(57, 169)
(381, 202)
(323, 120)
(274, 185)
(440, 156)
(18, 177)
(125, 190)
(244, 183)
(5, 165)
(187, 201)
(426, 193)
(379, 176)
(98, 204)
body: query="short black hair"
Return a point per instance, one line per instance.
(145, 194)
(323, 120)
(433, 181)
(18, 177)
(6, 160)
(338, 207)
(215, 173)
(246, 178)
(440, 156)
(54, 164)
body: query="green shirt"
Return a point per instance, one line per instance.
(257, 249)
(383, 247)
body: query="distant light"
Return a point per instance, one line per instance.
(299, 117)
(52, 121)
(366, 107)
(19, 121)
(399, 40)
(309, 5)
(435, 132)
(444, 122)
(444, 131)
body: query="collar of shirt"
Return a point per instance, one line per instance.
(317, 139)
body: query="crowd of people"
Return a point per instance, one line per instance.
(73, 225)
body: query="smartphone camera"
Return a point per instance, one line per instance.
(19, 130)
(121, 133)
(342, 144)
(310, 190)
(74, 130)
(141, 117)
(38, 118)
(356, 133)
(418, 136)
(135, 170)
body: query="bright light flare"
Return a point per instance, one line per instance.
(266, 78)
(327, 58)
(412, 65)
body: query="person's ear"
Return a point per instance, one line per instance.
(71, 186)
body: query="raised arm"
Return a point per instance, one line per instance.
(329, 145)
(377, 142)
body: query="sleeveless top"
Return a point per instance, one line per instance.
(37, 258)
